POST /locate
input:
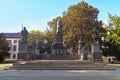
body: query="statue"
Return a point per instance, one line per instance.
(32, 46)
(65, 44)
(24, 35)
(86, 47)
(59, 35)
(95, 35)
(59, 26)
(38, 45)
(79, 44)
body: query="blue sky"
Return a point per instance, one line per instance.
(34, 14)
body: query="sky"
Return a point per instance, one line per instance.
(34, 14)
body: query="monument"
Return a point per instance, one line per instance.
(59, 48)
(23, 49)
(38, 48)
(96, 55)
(83, 51)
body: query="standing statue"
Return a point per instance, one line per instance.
(79, 44)
(24, 35)
(95, 35)
(59, 35)
(86, 47)
(59, 26)
(38, 45)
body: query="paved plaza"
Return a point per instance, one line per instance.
(61, 74)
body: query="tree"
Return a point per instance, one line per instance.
(114, 29)
(111, 43)
(35, 35)
(78, 22)
(4, 48)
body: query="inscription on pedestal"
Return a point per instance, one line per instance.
(23, 48)
(95, 48)
(96, 52)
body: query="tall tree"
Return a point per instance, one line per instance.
(4, 48)
(111, 43)
(114, 29)
(78, 22)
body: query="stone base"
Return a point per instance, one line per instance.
(58, 65)
(22, 56)
(84, 57)
(23, 48)
(58, 51)
(97, 56)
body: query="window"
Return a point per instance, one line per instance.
(15, 41)
(14, 48)
(9, 43)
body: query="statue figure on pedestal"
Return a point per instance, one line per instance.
(95, 35)
(59, 26)
(24, 35)
(38, 45)
(79, 44)
(59, 35)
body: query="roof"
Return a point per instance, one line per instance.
(12, 35)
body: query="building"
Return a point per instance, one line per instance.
(13, 40)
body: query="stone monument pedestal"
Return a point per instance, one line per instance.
(84, 55)
(23, 50)
(96, 55)
(58, 51)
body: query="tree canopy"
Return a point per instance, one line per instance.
(111, 43)
(35, 35)
(78, 22)
(114, 29)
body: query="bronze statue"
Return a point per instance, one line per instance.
(95, 35)
(24, 35)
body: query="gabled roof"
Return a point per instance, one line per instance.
(12, 35)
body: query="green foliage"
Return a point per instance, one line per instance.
(51, 31)
(114, 29)
(4, 48)
(35, 35)
(111, 44)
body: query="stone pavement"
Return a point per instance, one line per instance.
(59, 75)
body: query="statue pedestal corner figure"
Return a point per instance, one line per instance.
(37, 47)
(96, 51)
(85, 52)
(96, 55)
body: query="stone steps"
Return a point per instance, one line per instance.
(58, 65)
